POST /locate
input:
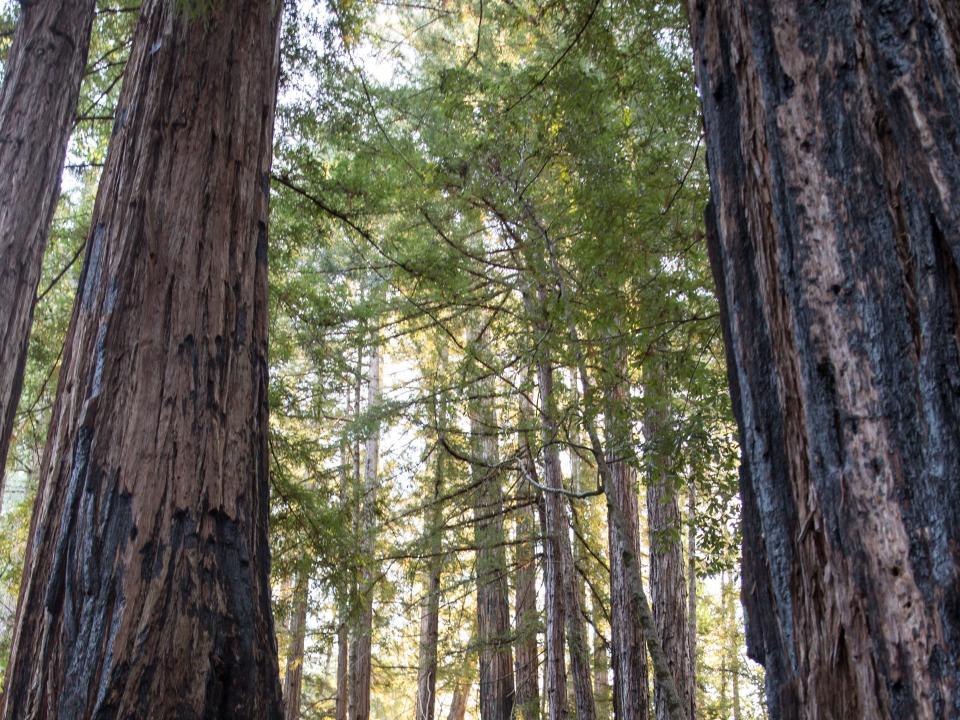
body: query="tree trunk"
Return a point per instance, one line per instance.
(146, 587)
(526, 617)
(293, 675)
(342, 708)
(41, 83)
(360, 645)
(692, 591)
(493, 597)
(668, 587)
(631, 695)
(458, 706)
(561, 593)
(833, 133)
(430, 603)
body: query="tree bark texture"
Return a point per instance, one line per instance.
(526, 617)
(361, 643)
(668, 588)
(833, 135)
(146, 587)
(293, 673)
(561, 591)
(342, 708)
(493, 596)
(631, 695)
(38, 100)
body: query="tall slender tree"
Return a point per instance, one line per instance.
(668, 587)
(631, 694)
(493, 599)
(38, 100)
(297, 630)
(146, 588)
(361, 643)
(833, 137)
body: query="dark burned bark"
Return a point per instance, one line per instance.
(493, 598)
(631, 696)
(38, 100)
(834, 159)
(146, 588)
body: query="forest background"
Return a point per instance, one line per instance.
(462, 194)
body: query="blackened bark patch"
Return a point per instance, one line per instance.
(146, 586)
(833, 242)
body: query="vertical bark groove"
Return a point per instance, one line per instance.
(834, 159)
(146, 587)
(41, 84)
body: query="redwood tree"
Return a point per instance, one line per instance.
(146, 591)
(833, 134)
(41, 83)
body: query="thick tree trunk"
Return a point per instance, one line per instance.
(833, 135)
(293, 673)
(526, 617)
(361, 643)
(493, 596)
(668, 587)
(561, 589)
(41, 83)
(146, 588)
(631, 695)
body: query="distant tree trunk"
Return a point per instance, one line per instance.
(493, 597)
(692, 591)
(561, 590)
(350, 470)
(602, 688)
(668, 587)
(342, 709)
(833, 135)
(458, 706)
(526, 617)
(430, 602)
(631, 695)
(146, 586)
(293, 674)
(41, 83)
(361, 643)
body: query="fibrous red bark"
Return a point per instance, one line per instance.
(146, 587)
(833, 135)
(38, 100)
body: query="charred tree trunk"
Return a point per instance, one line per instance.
(631, 695)
(561, 592)
(146, 588)
(526, 617)
(293, 673)
(41, 83)
(833, 133)
(668, 587)
(493, 597)
(361, 643)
